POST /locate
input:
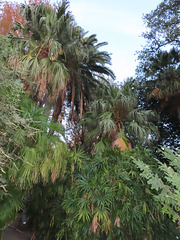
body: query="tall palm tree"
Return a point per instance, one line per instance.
(59, 58)
(86, 72)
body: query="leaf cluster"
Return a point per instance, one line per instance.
(167, 185)
(109, 196)
(116, 114)
(31, 150)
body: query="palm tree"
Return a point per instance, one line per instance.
(87, 72)
(115, 116)
(60, 59)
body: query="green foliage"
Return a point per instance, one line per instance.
(109, 195)
(10, 203)
(30, 147)
(44, 154)
(60, 59)
(158, 72)
(10, 119)
(43, 206)
(98, 195)
(116, 114)
(66, 194)
(164, 20)
(166, 182)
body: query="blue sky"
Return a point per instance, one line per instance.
(118, 22)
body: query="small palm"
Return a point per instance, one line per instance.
(115, 115)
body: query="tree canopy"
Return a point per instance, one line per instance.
(62, 62)
(158, 71)
(79, 154)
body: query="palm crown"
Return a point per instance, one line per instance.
(116, 116)
(60, 57)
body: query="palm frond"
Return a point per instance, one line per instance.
(106, 123)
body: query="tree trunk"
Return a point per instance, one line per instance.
(103, 236)
(177, 101)
(59, 104)
(81, 104)
(72, 99)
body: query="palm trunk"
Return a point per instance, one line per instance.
(178, 111)
(59, 104)
(103, 236)
(81, 104)
(72, 99)
(177, 100)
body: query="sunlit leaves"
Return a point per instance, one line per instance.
(121, 143)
